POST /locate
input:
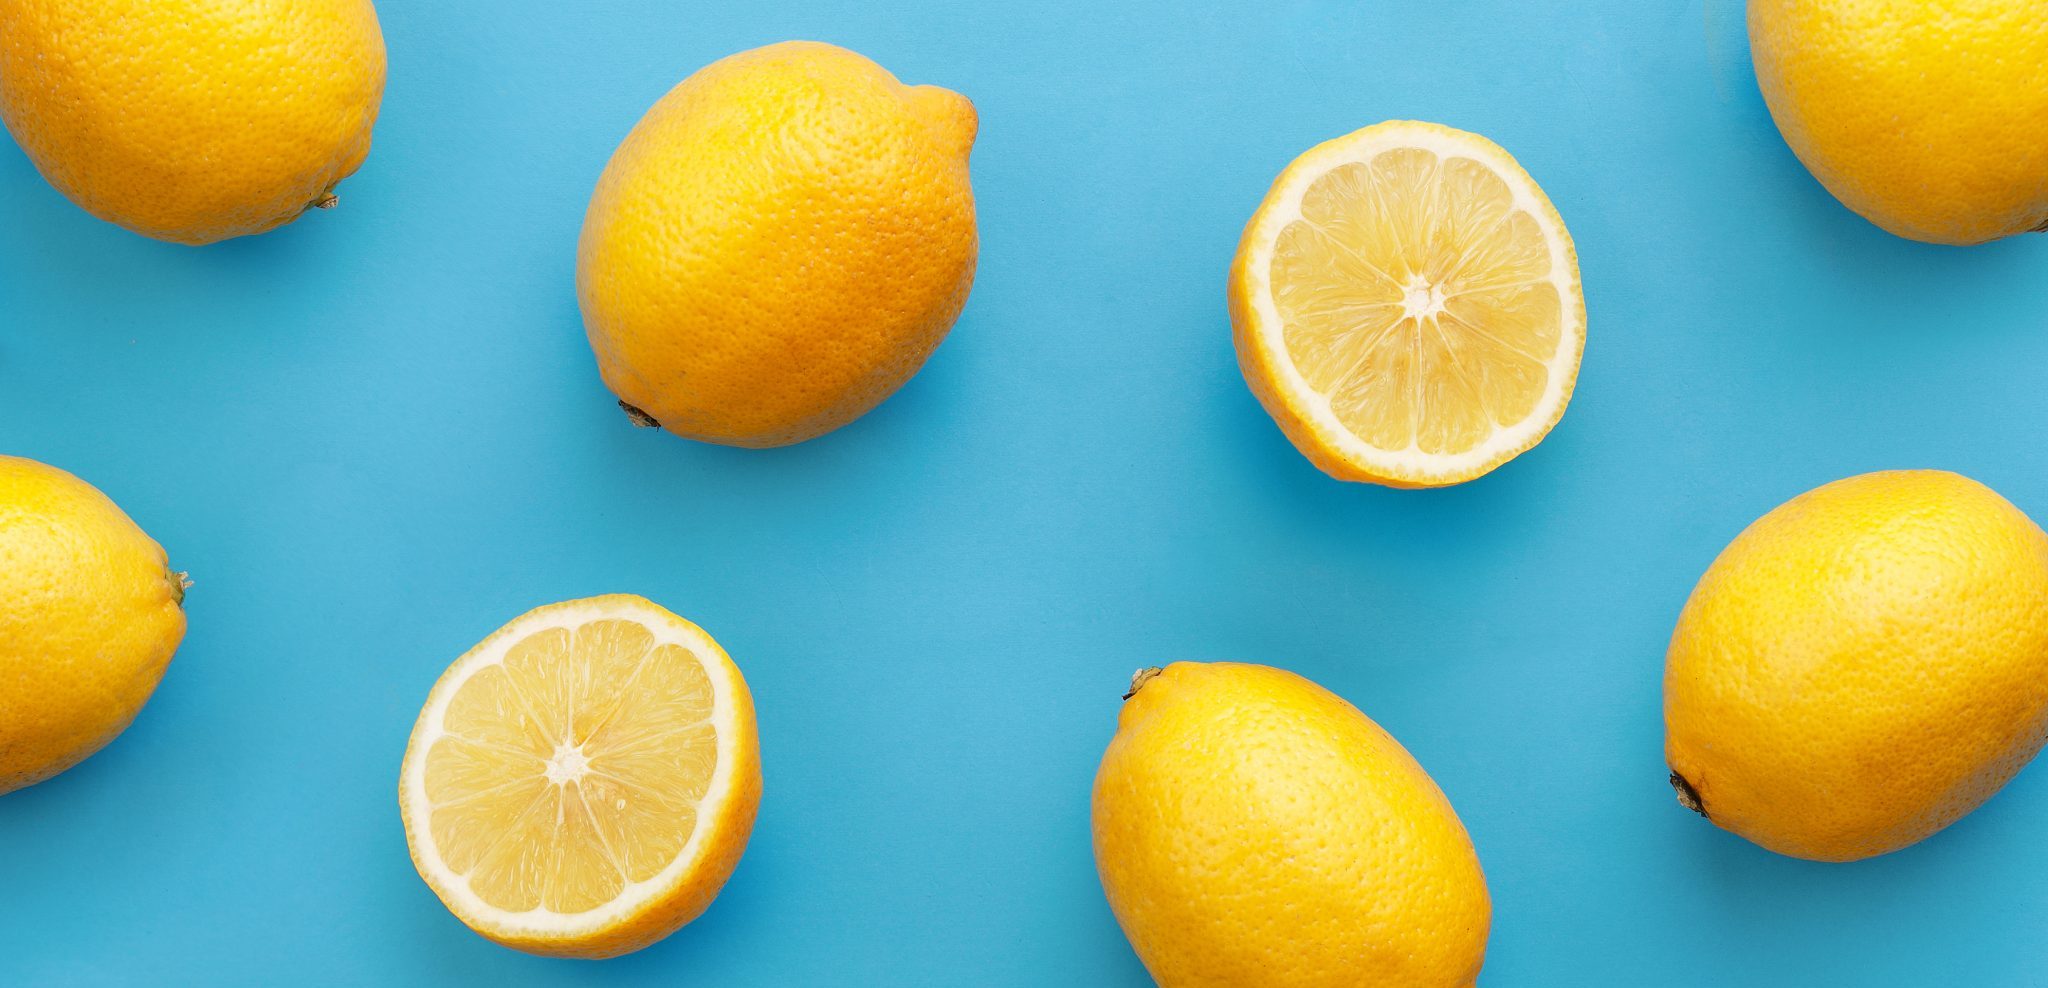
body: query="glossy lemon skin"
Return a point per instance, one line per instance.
(1927, 117)
(1862, 666)
(192, 120)
(778, 245)
(1253, 829)
(90, 615)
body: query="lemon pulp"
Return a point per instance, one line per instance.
(1419, 298)
(573, 768)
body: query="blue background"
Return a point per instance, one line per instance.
(377, 434)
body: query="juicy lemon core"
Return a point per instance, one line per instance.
(1407, 305)
(563, 773)
(1413, 294)
(540, 810)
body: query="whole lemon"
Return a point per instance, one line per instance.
(778, 245)
(1862, 666)
(192, 120)
(1928, 117)
(1253, 830)
(89, 617)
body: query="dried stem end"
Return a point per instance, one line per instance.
(1140, 678)
(1688, 797)
(641, 419)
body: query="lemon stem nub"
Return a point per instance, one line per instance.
(180, 582)
(327, 200)
(1140, 678)
(641, 419)
(1688, 797)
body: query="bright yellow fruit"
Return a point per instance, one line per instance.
(1407, 306)
(1928, 117)
(89, 616)
(192, 120)
(582, 782)
(1253, 830)
(778, 245)
(1862, 666)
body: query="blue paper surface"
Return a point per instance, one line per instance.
(377, 434)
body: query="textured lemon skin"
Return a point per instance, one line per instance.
(192, 120)
(1253, 829)
(779, 244)
(1310, 437)
(725, 833)
(1927, 117)
(1863, 665)
(89, 617)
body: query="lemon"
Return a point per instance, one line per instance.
(89, 617)
(1927, 117)
(582, 782)
(1862, 666)
(192, 120)
(1253, 830)
(778, 245)
(1407, 306)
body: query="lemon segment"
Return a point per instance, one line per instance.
(1407, 306)
(582, 782)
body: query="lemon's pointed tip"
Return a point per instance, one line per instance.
(950, 113)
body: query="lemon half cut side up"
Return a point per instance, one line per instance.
(583, 781)
(1406, 305)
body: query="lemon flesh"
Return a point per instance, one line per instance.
(567, 774)
(1416, 304)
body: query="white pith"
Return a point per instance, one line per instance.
(1283, 206)
(568, 763)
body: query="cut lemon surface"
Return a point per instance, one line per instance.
(1406, 305)
(582, 782)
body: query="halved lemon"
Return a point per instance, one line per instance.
(582, 782)
(1406, 304)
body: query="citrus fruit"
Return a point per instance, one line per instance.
(1406, 304)
(1862, 666)
(778, 245)
(582, 782)
(192, 120)
(1253, 829)
(1927, 117)
(90, 614)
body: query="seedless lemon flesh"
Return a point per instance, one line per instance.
(582, 783)
(1407, 306)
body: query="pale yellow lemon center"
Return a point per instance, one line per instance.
(573, 768)
(1416, 296)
